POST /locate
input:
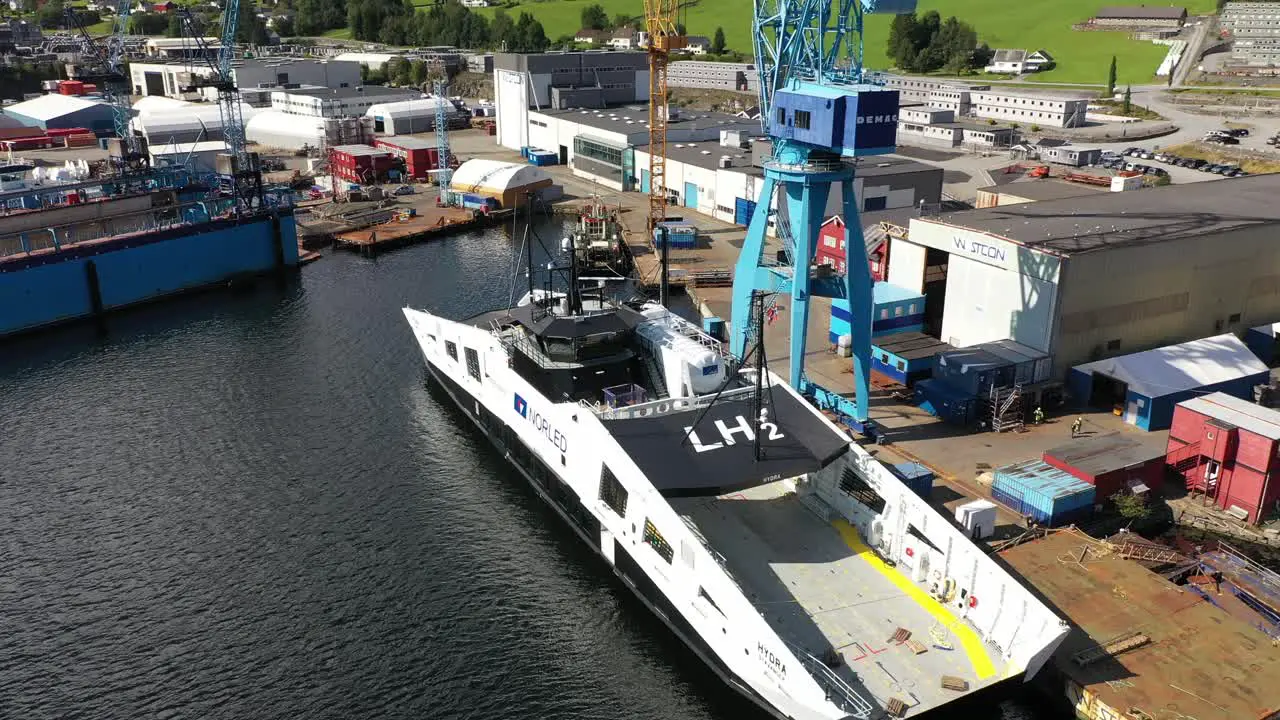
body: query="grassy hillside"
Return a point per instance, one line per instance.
(1082, 57)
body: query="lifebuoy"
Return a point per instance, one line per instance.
(973, 601)
(910, 552)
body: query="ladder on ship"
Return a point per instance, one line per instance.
(656, 380)
(1005, 406)
(1111, 648)
(1148, 553)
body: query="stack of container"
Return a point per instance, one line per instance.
(915, 476)
(681, 235)
(1050, 496)
(894, 310)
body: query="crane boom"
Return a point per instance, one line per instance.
(107, 68)
(664, 36)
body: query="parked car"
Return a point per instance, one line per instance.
(1225, 169)
(1230, 141)
(1233, 172)
(1133, 152)
(1238, 132)
(1273, 140)
(404, 190)
(1146, 155)
(1197, 163)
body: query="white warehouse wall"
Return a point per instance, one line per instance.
(512, 117)
(906, 265)
(996, 289)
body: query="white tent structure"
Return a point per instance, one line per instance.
(414, 116)
(158, 104)
(504, 181)
(288, 131)
(196, 123)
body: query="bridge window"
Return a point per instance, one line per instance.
(612, 492)
(782, 116)
(802, 119)
(473, 363)
(654, 539)
(451, 348)
(859, 490)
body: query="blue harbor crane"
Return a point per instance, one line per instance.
(106, 68)
(239, 171)
(819, 110)
(444, 174)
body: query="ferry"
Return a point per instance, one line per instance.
(784, 555)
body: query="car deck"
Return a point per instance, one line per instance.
(819, 587)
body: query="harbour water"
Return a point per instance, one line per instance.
(249, 504)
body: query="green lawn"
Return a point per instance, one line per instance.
(339, 33)
(1082, 57)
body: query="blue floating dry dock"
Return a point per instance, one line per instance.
(81, 260)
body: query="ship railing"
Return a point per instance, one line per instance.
(665, 406)
(839, 692)
(98, 228)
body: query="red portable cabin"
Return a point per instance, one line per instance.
(361, 163)
(70, 87)
(1226, 449)
(831, 249)
(420, 156)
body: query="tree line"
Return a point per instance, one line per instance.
(928, 43)
(398, 22)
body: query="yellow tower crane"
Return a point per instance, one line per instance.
(664, 36)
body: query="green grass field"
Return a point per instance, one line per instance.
(339, 33)
(1082, 57)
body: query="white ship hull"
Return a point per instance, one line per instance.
(569, 453)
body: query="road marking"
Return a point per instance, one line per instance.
(969, 639)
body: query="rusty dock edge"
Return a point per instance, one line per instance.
(428, 225)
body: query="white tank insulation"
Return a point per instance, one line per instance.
(688, 367)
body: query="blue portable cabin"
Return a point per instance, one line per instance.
(1050, 496)
(1261, 340)
(915, 476)
(681, 234)
(894, 310)
(1147, 385)
(947, 403)
(905, 357)
(971, 371)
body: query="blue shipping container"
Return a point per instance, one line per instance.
(915, 476)
(947, 403)
(1051, 496)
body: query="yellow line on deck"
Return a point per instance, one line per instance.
(969, 639)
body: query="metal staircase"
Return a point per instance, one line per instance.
(1006, 409)
(655, 377)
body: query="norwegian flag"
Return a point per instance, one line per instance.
(771, 314)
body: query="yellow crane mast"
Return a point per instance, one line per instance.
(660, 22)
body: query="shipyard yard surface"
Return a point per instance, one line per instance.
(250, 504)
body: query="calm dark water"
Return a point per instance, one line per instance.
(249, 504)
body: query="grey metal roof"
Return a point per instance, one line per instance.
(911, 345)
(1141, 12)
(1101, 454)
(407, 142)
(1241, 413)
(1009, 56)
(361, 91)
(1105, 220)
(630, 119)
(1045, 189)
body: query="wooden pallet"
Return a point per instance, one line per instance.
(896, 708)
(951, 682)
(916, 647)
(900, 635)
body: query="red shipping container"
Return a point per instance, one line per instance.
(71, 87)
(59, 132)
(1110, 462)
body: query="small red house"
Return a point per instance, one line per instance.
(831, 249)
(1112, 462)
(1226, 448)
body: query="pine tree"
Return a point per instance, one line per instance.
(1128, 100)
(1111, 78)
(717, 43)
